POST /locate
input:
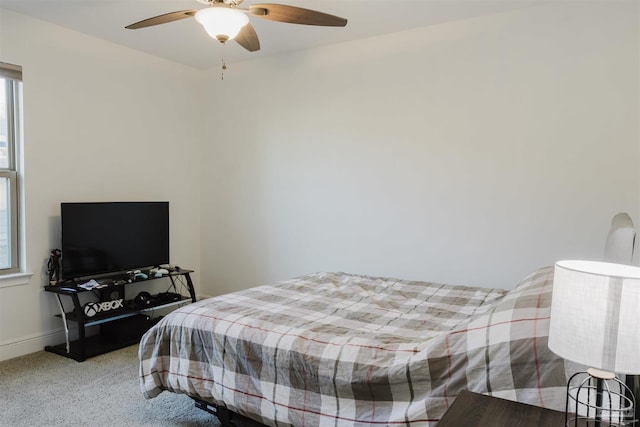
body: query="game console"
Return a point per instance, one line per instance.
(167, 297)
(146, 300)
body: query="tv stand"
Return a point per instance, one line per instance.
(122, 322)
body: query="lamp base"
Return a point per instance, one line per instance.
(597, 398)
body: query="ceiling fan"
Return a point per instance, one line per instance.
(224, 20)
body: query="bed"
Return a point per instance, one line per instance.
(351, 350)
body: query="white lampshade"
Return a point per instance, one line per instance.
(222, 22)
(595, 315)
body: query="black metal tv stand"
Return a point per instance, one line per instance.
(122, 322)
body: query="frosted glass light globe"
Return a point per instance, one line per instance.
(222, 22)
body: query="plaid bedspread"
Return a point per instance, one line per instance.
(333, 349)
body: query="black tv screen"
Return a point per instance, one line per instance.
(110, 237)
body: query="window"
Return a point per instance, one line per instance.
(10, 134)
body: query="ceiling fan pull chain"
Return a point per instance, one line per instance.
(224, 65)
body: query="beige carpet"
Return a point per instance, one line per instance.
(44, 389)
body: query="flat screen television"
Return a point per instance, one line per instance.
(112, 237)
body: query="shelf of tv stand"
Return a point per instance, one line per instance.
(69, 287)
(118, 328)
(92, 346)
(122, 314)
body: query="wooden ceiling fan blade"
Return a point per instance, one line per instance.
(295, 15)
(162, 19)
(248, 38)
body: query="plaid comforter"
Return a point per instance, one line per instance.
(346, 350)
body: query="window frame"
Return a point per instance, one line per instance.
(12, 76)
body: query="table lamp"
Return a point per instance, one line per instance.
(595, 322)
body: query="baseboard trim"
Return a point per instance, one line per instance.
(30, 344)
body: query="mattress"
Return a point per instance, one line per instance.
(352, 350)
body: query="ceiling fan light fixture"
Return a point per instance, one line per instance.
(222, 22)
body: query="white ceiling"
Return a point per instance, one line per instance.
(186, 42)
